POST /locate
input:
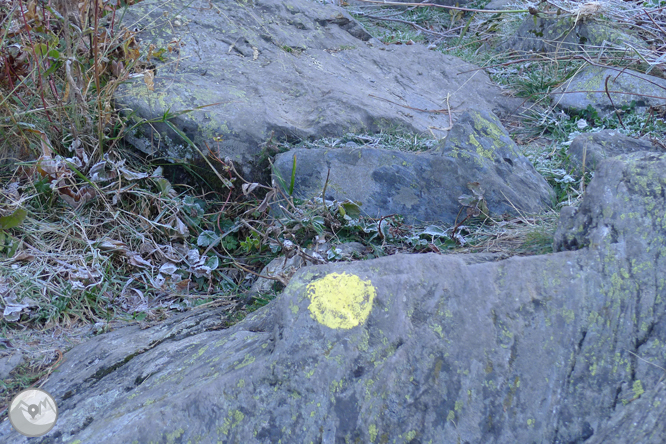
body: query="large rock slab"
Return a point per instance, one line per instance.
(588, 88)
(560, 348)
(424, 187)
(291, 69)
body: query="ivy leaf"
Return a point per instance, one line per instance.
(13, 220)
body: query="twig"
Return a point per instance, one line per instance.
(434, 111)
(407, 22)
(455, 8)
(617, 113)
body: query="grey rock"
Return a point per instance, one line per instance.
(566, 34)
(423, 187)
(283, 268)
(293, 70)
(499, 4)
(564, 347)
(9, 363)
(589, 149)
(588, 88)
(605, 214)
(350, 250)
(643, 420)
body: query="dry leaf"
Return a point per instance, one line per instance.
(169, 268)
(249, 187)
(23, 256)
(148, 77)
(136, 260)
(181, 228)
(113, 245)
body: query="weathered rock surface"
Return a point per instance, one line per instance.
(588, 88)
(294, 69)
(559, 348)
(424, 187)
(9, 363)
(567, 34)
(591, 148)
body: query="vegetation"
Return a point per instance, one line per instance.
(92, 234)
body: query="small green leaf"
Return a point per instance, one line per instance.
(213, 262)
(467, 200)
(41, 49)
(164, 185)
(13, 220)
(208, 238)
(351, 208)
(476, 189)
(53, 68)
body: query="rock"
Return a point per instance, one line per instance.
(566, 34)
(499, 4)
(604, 214)
(9, 363)
(284, 268)
(587, 88)
(643, 420)
(591, 148)
(423, 187)
(351, 250)
(564, 347)
(293, 70)
(281, 268)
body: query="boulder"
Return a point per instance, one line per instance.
(589, 149)
(423, 187)
(292, 70)
(588, 88)
(567, 34)
(565, 347)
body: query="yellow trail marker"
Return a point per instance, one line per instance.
(340, 300)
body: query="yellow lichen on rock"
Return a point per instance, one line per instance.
(340, 300)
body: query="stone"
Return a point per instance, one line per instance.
(567, 34)
(588, 88)
(563, 347)
(423, 187)
(289, 70)
(499, 4)
(9, 363)
(588, 150)
(605, 214)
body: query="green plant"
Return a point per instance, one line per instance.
(9, 244)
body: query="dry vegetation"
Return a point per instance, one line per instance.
(93, 236)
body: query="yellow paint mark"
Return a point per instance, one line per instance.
(340, 300)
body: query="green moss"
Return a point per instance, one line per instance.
(372, 431)
(246, 361)
(172, 437)
(232, 420)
